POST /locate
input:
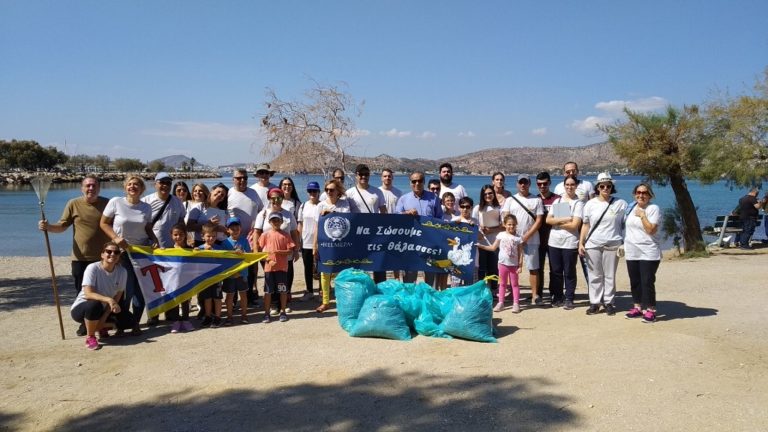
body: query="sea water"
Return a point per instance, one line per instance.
(20, 209)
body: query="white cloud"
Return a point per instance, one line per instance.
(590, 124)
(614, 109)
(205, 131)
(468, 134)
(394, 133)
(539, 131)
(427, 135)
(508, 133)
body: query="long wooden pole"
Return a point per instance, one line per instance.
(53, 275)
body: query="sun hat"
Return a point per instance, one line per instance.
(604, 177)
(265, 167)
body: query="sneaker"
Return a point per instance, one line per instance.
(515, 308)
(568, 305)
(308, 296)
(81, 330)
(266, 319)
(244, 320)
(207, 321)
(593, 309)
(633, 313)
(557, 304)
(216, 323)
(155, 320)
(187, 326)
(499, 307)
(274, 312)
(288, 310)
(649, 316)
(283, 317)
(538, 301)
(91, 343)
(610, 310)
(228, 322)
(176, 327)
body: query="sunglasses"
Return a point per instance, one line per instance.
(603, 186)
(111, 251)
(417, 181)
(542, 184)
(433, 189)
(338, 178)
(466, 206)
(642, 193)
(240, 178)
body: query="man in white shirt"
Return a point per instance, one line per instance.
(584, 189)
(262, 187)
(529, 212)
(391, 193)
(447, 184)
(244, 203)
(365, 199)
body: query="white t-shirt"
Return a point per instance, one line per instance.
(103, 282)
(341, 206)
(365, 200)
(292, 206)
(456, 189)
(262, 221)
(584, 190)
(262, 191)
(202, 214)
(638, 244)
(129, 221)
(508, 249)
(245, 206)
(308, 220)
(561, 238)
(524, 220)
(174, 213)
(608, 231)
(390, 198)
(490, 217)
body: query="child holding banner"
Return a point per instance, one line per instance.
(237, 283)
(464, 216)
(179, 236)
(510, 248)
(212, 296)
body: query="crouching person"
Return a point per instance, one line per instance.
(98, 303)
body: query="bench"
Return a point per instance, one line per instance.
(727, 224)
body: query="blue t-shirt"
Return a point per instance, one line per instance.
(241, 244)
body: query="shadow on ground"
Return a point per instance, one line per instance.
(666, 310)
(376, 401)
(22, 293)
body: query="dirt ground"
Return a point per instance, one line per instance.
(702, 366)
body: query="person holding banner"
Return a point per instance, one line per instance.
(419, 202)
(128, 221)
(488, 214)
(366, 199)
(332, 204)
(103, 288)
(244, 203)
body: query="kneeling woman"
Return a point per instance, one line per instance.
(103, 287)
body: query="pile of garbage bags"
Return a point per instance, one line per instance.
(395, 310)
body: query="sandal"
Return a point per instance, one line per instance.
(322, 308)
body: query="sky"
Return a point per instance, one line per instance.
(148, 79)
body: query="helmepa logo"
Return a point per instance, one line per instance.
(336, 227)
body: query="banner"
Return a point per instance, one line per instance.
(376, 242)
(171, 276)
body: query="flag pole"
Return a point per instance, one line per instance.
(40, 185)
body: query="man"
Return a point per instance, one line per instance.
(447, 185)
(339, 176)
(530, 215)
(584, 189)
(244, 203)
(391, 193)
(434, 186)
(419, 202)
(262, 187)
(84, 214)
(365, 199)
(748, 212)
(543, 181)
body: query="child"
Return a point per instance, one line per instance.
(510, 261)
(236, 283)
(465, 216)
(179, 236)
(211, 296)
(280, 247)
(449, 206)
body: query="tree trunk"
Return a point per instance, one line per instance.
(691, 227)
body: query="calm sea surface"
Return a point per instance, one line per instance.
(20, 209)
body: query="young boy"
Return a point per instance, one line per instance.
(181, 323)
(280, 247)
(236, 284)
(465, 216)
(211, 296)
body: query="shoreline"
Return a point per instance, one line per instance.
(24, 178)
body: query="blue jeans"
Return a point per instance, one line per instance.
(133, 295)
(747, 229)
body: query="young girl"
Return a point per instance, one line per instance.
(179, 236)
(510, 248)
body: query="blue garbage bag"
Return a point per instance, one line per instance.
(426, 325)
(381, 317)
(471, 314)
(352, 288)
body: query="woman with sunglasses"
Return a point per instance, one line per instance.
(261, 225)
(291, 201)
(564, 244)
(599, 241)
(488, 214)
(642, 247)
(181, 190)
(99, 300)
(333, 203)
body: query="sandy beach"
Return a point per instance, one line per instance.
(702, 366)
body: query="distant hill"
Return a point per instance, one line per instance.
(176, 162)
(591, 158)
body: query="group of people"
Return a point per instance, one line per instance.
(516, 230)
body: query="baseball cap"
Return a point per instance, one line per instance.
(233, 220)
(523, 178)
(162, 175)
(313, 185)
(275, 191)
(275, 215)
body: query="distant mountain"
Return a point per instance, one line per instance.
(176, 162)
(591, 158)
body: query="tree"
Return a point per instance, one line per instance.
(313, 134)
(192, 163)
(29, 155)
(128, 165)
(667, 148)
(156, 165)
(737, 138)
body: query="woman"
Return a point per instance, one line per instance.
(99, 300)
(261, 225)
(498, 187)
(563, 245)
(214, 210)
(181, 190)
(488, 214)
(332, 204)
(291, 201)
(199, 196)
(599, 242)
(642, 247)
(307, 225)
(128, 221)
